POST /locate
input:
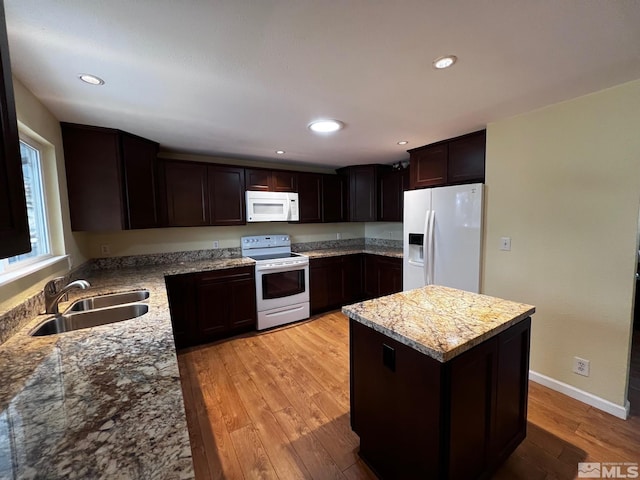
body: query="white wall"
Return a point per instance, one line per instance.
(564, 183)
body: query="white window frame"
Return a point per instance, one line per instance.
(26, 265)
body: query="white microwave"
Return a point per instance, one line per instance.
(272, 206)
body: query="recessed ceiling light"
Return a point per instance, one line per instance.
(90, 79)
(280, 152)
(326, 126)
(402, 142)
(444, 62)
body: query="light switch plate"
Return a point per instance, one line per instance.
(505, 243)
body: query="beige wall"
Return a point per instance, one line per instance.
(383, 230)
(161, 240)
(564, 183)
(37, 122)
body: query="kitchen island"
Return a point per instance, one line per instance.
(438, 382)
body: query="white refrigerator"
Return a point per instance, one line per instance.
(442, 237)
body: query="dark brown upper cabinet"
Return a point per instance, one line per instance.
(363, 192)
(198, 194)
(393, 184)
(265, 180)
(334, 198)
(111, 178)
(450, 162)
(14, 226)
(310, 197)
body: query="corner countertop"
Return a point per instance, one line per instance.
(438, 321)
(334, 252)
(103, 402)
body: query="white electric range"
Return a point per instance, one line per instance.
(282, 279)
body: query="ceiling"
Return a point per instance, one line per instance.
(243, 78)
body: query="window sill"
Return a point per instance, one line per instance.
(13, 275)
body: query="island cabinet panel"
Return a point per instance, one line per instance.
(310, 197)
(395, 405)
(211, 305)
(111, 178)
(421, 418)
(265, 180)
(14, 225)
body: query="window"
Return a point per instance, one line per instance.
(36, 210)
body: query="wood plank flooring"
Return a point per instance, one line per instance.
(276, 405)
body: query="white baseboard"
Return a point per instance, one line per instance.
(585, 397)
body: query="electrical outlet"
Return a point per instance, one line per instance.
(581, 366)
(105, 249)
(216, 244)
(390, 235)
(338, 236)
(505, 243)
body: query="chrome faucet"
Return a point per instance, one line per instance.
(52, 296)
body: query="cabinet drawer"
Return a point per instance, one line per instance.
(227, 274)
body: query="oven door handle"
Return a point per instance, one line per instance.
(284, 268)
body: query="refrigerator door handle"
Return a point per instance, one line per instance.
(425, 247)
(415, 264)
(432, 241)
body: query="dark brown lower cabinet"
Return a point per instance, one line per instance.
(382, 276)
(420, 418)
(335, 281)
(211, 305)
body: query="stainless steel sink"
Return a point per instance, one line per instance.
(89, 318)
(101, 301)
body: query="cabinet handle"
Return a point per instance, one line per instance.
(389, 357)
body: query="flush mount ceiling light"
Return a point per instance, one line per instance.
(280, 152)
(326, 126)
(444, 62)
(90, 79)
(402, 142)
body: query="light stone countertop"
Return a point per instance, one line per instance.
(104, 402)
(440, 322)
(371, 249)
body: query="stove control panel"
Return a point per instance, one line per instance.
(264, 241)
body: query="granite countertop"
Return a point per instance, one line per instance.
(371, 249)
(440, 322)
(103, 402)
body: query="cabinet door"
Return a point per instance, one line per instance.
(391, 194)
(428, 167)
(472, 384)
(181, 295)
(226, 195)
(363, 187)
(509, 425)
(94, 177)
(213, 308)
(139, 157)
(370, 276)
(334, 198)
(283, 181)
(467, 158)
(310, 197)
(257, 179)
(242, 304)
(389, 272)
(352, 278)
(14, 226)
(186, 194)
(325, 283)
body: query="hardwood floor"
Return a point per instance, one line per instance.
(276, 405)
